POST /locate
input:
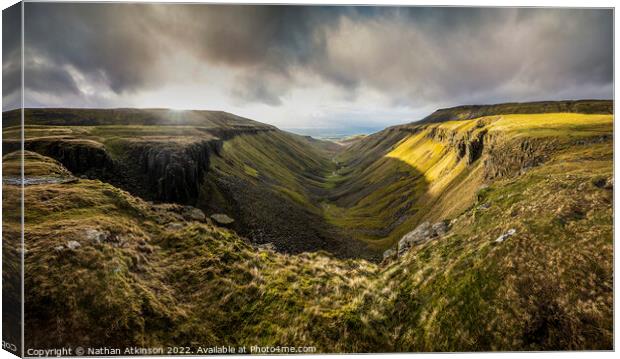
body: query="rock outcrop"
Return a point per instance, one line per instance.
(423, 233)
(509, 233)
(78, 155)
(169, 172)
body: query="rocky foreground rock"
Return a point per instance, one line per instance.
(423, 233)
(222, 219)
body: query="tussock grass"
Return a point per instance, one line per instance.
(156, 279)
(547, 287)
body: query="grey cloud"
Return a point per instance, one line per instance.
(254, 89)
(42, 76)
(11, 57)
(506, 53)
(118, 40)
(413, 55)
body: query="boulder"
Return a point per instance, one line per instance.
(193, 214)
(503, 237)
(419, 235)
(222, 219)
(440, 229)
(422, 234)
(73, 245)
(96, 236)
(175, 226)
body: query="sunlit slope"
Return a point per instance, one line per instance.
(394, 180)
(468, 112)
(142, 275)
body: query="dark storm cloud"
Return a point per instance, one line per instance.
(411, 55)
(117, 41)
(11, 57)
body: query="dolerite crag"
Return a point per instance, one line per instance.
(80, 156)
(171, 172)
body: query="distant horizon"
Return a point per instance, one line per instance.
(318, 132)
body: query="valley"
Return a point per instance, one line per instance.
(322, 250)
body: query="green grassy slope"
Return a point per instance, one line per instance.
(143, 276)
(268, 180)
(402, 176)
(469, 112)
(271, 183)
(128, 116)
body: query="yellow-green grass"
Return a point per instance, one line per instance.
(423, 166)
(547, 287)
(553, 124)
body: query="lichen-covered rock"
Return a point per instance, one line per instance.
(221, 218)
(440, 228)
(193, 214)
(509, 233)
(73, 245)
(389, 254)
(175, 226)
(96, 236)
(419, 235)
(422, 234)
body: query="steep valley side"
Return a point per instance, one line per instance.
(114, 259)
(266, 179)
(301, 194)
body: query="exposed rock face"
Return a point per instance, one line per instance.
(468, 145)
(78, 156)
(505, 158)
(422, 234)
(389, 254)
(172, 173)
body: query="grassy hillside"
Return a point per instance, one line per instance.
(408, 174)
(266, 179)
(271, 183)
(116, 255)
(128, 116)
(469, 112)
(142, 274)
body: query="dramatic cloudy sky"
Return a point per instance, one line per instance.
(295, 67)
